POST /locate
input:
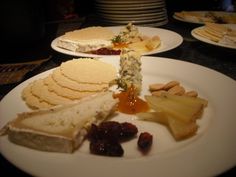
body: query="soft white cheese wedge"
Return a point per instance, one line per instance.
(84, 45)
(61, 128)
(86, 39)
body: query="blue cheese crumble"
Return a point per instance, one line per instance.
(130, 70)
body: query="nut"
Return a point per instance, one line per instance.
(177, 90)
(191, 93)
(155, 87)
(158, 93)
(170, 84)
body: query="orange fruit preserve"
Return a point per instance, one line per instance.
(130, 103)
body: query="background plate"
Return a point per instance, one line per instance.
(202, 13)
(165, 36)
(203, 39)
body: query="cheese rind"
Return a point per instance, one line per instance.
(61, 128)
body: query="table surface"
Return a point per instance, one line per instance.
(191, 50)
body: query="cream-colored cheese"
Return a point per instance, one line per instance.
(84, 45)
(130, 70)
(86, 39)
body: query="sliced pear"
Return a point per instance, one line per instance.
(181, 130)
(177, 109)
(159, 117)
(186, 99)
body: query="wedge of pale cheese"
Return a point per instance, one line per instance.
(61, 128)
(86, 39)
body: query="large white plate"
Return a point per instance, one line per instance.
(210, 152)
(169, 40)
(203, 39)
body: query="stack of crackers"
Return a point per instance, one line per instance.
(217, 33)
(71, 81)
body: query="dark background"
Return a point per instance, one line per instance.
(29, 26)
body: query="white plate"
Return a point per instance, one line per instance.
(134, 20)
(158, 8)
(188, 21)
(203, 39)
(165, 36)
(202, 13)
(137, 15)
(137, 4)
(210, 152)
(127, 1)
(144, 18)
(150, 24)
(127, 12)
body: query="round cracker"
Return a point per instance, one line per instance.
(64, 81)
(63, 91)
(88, 71)
(33, 101)
(40, 90)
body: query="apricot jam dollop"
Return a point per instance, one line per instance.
(130, 103)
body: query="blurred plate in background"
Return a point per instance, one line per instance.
(140, 12)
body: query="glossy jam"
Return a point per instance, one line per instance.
(120, 45)
(106, 51)
(130, 103)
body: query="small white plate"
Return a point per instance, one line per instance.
(203, 39)
(210, 152)
(169, 40)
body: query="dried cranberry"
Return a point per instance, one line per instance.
(109, 130)
(106, 51)
(144, 141)
(93, 133)
(105, 147)
(128, 131)
(105, 138)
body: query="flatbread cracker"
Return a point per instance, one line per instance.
(88, 71)
(203, 33)
(63, 91)
(40, 90)
(64, 81)
(33, 101)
